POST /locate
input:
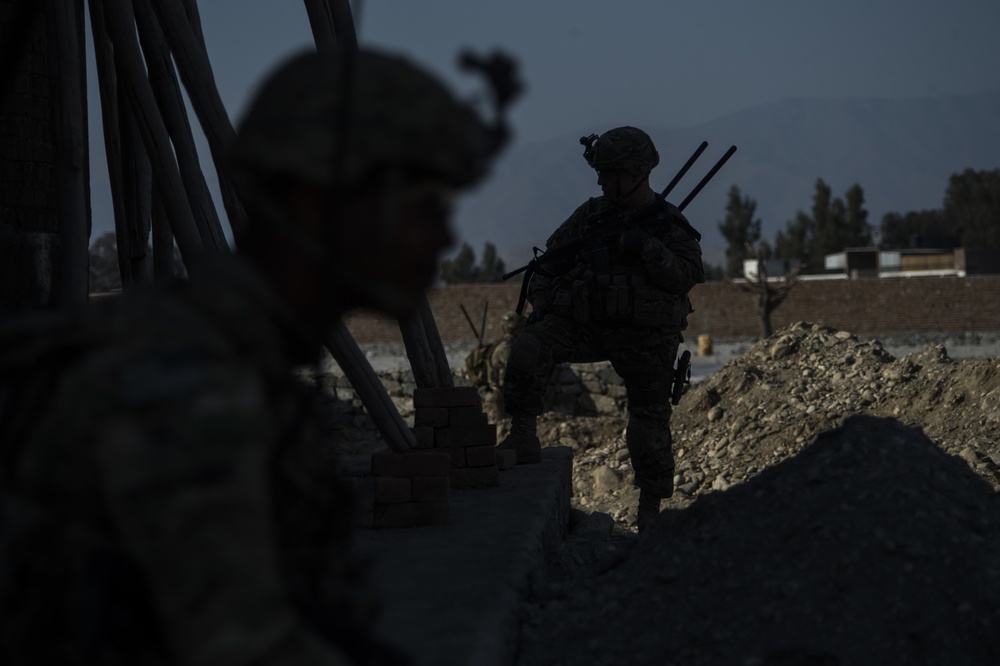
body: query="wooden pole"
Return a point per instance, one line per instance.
(369, 388)
(167, 92)
(321, 23)
(107, 80)
(196, 73)
(128, 58)
(418, 351)
(433, 337)
(71, 172)
(343, 23)
(163, 239)
(137, 178)
(194, 18)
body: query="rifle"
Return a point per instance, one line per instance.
(682, 376)
(617, 223)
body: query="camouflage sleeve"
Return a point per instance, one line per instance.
(189, 497)
(498, 364)
(544, 285)
(673, 260)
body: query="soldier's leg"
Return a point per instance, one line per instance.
(648, 373)
(533, 355)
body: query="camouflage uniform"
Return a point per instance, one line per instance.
(174, 499)
(170, 501)
(623, 300)
(492, 393)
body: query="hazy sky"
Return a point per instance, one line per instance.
(669, 64)
(591, 63)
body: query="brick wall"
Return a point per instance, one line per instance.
(887, 306)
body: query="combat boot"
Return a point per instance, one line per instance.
(523, 439)
(649, 509)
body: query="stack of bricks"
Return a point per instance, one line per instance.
(451, 419)
(411, 489)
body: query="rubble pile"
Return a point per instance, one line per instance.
(833, 505)
(771, 402)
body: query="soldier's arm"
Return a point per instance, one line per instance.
(673, 256)
(676, 267)
(186, 479)
(553, 276)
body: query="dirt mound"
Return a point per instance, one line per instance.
(834, 505)
(869, 546)
(768, 404)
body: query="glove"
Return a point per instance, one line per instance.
(631, 241)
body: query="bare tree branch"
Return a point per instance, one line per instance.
(769, 294)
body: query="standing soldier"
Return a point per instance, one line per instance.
(622, 295)
(165, 497)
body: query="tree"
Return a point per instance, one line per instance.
(740, 229)
(972, 205)
(491, 266)
(463, 269)
(769, 294)
(834, 224)
(969, 217)
(917, 229)
(794, 242)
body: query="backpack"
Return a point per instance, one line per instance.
(477, 364)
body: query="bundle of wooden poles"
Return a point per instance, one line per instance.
(145, 50)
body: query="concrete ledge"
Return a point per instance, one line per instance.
(451, 593)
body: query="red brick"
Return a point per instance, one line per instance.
(435, 417)
(431, 489)
(419, 462)
(447, 396)
(480, 456)
(459, 417)
(481, 435)
(474, 477)
(412, 514)
(424, 436)
(393, 490)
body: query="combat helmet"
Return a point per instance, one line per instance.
(331, 118)
(623, 148)
(512, 323)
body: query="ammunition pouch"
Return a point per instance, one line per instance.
(622, 299)
(636, 304)
(573, 302)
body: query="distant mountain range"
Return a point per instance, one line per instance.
(901, 152)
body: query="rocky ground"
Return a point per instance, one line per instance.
(835, 505)
(771, 401)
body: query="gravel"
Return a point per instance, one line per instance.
(835, 505)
